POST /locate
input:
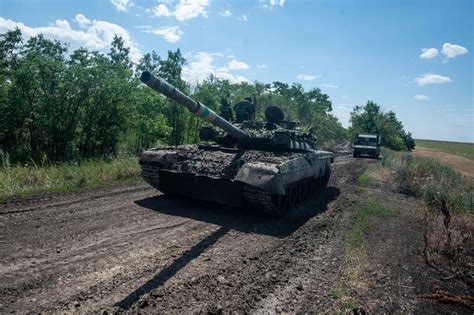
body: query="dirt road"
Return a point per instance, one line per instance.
(121, 248)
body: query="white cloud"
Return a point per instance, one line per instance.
(330, 86)
(188, 9)
(237, 65)
(428, 53)
(82, 20)
(95, 34)
(225, 13)
(171, 34)
(421, 97)
(183, 10)
(161, 10)
(262, 66)
(121, 5)
(202, 65)
(306, 77)
(452, 50)
(63, 24)
(244, 18)
(269, 4)
(431, 78)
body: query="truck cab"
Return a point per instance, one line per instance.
(367, 145)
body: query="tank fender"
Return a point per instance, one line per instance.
(263, 176)
(311, 165)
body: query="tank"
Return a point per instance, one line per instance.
(271, 166)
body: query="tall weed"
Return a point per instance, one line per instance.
(449, 213)
(32, 178)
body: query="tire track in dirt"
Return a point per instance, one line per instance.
(281, 275)
(130, 247)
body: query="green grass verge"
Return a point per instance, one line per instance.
(458, 148)
(439, 185)
(26, 180)
(366, 213)
(366, 177)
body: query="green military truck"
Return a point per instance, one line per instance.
(368, 145)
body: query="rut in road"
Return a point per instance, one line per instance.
(131, 248)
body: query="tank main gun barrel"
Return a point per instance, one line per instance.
(198, 109)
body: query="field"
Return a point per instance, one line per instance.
(458, 148)
(456, 154)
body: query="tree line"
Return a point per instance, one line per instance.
(57, 105)
(371, 119)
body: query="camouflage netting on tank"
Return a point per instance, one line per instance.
(217, 163)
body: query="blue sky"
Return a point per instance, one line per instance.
(412, 57)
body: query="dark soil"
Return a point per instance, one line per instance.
(396, 275)
(131, 248)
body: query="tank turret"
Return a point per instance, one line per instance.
(274, 134)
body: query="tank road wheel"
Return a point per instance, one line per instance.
(299, 192)
(305, 191)
(292, 196)
(327, 175)
(280, 202)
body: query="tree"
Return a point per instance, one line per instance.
(409, 141)
(371, 119)
(119, 54)
(58, 109)
(171, 69)
(57, 105)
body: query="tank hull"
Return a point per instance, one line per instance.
(268, 181)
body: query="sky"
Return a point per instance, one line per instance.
(412, 57)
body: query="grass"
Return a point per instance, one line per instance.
(449, 208)
(338, 293)
(27, 180)
(458, 148)
(366, 213)
(366, 177)
(433, 181)
(438, 184)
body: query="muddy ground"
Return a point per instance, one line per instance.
(122, 248)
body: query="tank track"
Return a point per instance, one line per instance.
(255, 198)
(296, 194)
(258, 199)
(150, 174)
